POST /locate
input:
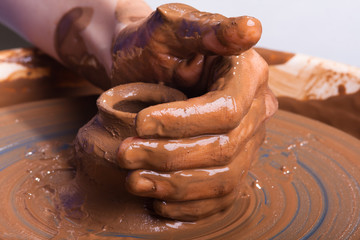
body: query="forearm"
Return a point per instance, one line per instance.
(67, 30)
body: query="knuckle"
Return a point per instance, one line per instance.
(224, 189)
(131, 182)
(160, 208)
(161, 12)
(271, 103)
(125, 163)
(226, 150)
(232, 115)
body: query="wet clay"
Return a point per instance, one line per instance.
(76, 205)
(294, 189)
(97, 145)
(342, 112)
(273, 57)
(72, 50)
(238, 81)
(64, 204)
(98, 141)
(174, 44)
(177, 46)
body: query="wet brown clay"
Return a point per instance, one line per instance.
(98, 141)
(273, 57)
(179, 181)
(37, 190)
(342, 112)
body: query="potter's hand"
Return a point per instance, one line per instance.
(215, 136)
(177, 45)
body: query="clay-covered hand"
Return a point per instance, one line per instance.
(177, 44)
(193, 155)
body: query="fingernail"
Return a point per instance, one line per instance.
(145, 185)
(241, 33)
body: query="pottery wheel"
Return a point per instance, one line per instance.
(305, 183)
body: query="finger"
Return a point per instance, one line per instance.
(172, 155)
(197, 152)
(194, 210)
(181, 185)
(194, 184)
(271, 103)
(215, 112)
(207, 33)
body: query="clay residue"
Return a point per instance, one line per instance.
(36, 76)
(71, 47)
(342, 112)
(176, 171)
(97, 142)
(293, 190)
(273, 57)
(304, 77)
(171, 46)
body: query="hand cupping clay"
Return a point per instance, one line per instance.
(98, 141)
(188, 178)
(175, 43)
(189, 156)
(153, 161)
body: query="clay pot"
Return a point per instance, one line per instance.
(98, 141)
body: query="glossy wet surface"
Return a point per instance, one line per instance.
(305, 184)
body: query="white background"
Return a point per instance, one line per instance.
(323, 28)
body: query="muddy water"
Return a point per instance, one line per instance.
(304, 184)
